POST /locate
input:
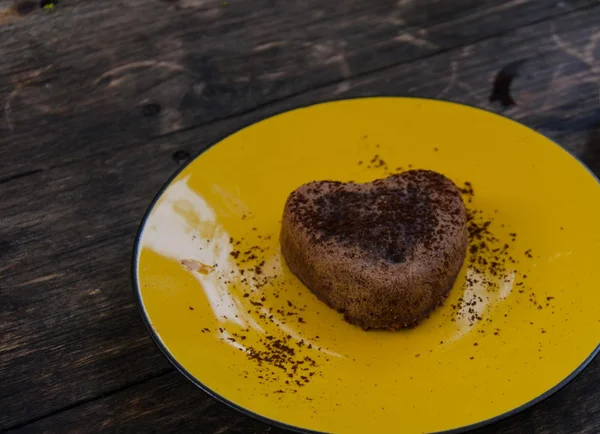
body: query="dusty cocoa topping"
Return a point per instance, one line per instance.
(488, 256)
(492, 262)
(279, 358)
(387, 222)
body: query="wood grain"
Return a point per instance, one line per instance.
(74, 82)
(80, 161)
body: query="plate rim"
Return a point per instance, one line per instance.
(167, 354)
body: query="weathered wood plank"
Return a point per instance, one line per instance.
(69, 327)
(83, 215)
(75, 82)
(170, 403)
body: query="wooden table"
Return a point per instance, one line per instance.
(101, 101)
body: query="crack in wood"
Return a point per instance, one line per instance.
(20, 175)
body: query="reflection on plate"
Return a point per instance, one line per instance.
(521, 319)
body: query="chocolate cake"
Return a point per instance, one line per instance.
(385, 253)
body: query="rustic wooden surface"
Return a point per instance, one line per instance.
(100, 102)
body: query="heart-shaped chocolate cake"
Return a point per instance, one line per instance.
(385, 253)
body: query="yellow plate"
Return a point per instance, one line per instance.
(221, 304)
